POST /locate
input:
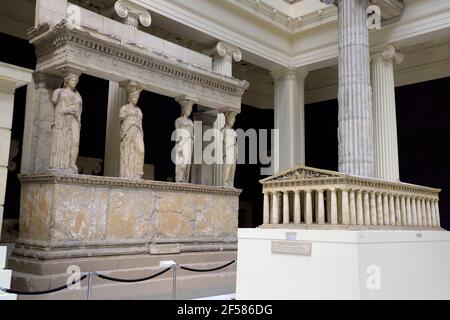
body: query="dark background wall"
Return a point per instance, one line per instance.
(423, 114)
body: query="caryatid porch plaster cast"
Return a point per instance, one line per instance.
(223, 55)
(67, 124)
(385, 120)
(230, 149)
(184, 140)
(132, 150)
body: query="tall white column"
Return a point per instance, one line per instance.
(289, 107)
(385, 121)
(116, 99)
(11, 77)
(355, 135)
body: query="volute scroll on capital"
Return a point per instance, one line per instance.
(224, 49)
(389, 53)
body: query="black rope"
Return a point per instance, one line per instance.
(133, 280)
(35, 293)
(208, 270)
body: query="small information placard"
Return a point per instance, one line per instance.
(298, 248)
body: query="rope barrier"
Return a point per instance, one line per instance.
(35, 293)
(24, 293)
(208, 270)
(132, 280)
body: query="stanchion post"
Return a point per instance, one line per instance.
(173, 265)
(174, 282)
(89, 288)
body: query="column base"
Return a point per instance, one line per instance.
(342, 264)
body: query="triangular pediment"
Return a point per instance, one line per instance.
(302, 172)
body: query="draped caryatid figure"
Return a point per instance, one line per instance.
(230, 148)
(66, 124)
(184, 140)
(132, 149)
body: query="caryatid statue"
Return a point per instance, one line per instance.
(230, 148)
(66, 124)
(132, 150)
(184, 140)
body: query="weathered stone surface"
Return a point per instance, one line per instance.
(75, 215)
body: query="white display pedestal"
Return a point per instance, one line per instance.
(5, 277)
(342, 264)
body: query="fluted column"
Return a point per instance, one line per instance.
(356, 154)
(366, 208)
(392, 221)
(297, 208)
(385, 121)
(398, 212)
(437, 214)
(373, 209)
(286, 207)
(275, 208)
(352, 205)
(359, 208)
(289, 105)
(386, 214)
(266, 218)
(409, 215)
(116, 99)
(430, 216)
(414, 213)
(308, 207)
(345, 210)
(419, 212)
(320, 207)
(424, 213)
(380, 220)
(404, 212)
(332, 207)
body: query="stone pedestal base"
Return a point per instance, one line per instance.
(32, 275)
(5, 277)
(327, 264)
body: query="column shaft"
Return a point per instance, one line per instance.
(356, 155)
(266, 218)
(297, 208)
(290, 117)
(286, 207)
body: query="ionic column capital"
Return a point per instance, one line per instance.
(224, 49)
(389, 54)
(132, 14)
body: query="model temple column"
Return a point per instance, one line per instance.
(385, 121)
(356, 154)
(289, 107)
(116, 99)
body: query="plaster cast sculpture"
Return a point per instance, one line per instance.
(66, 125)
(230, 148)
(132, 150)
(184, 140)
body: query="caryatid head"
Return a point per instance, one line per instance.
(133, 90)
(71, 79)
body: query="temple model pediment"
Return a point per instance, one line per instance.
(300, 173)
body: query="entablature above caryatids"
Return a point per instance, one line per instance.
(117, 52)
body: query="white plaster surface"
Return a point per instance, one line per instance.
(2, 257)
(411, 265)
